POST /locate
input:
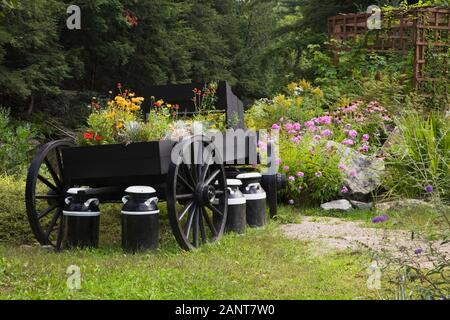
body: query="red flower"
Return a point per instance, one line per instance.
(98, 137)
(88, 135)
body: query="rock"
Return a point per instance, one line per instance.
(337, 205)
(364, 173)
(402, 204)
(361, 205)
(48, 248)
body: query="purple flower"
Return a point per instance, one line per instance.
(344, 189)
(317, 137)
(297, 126)
(348, 142)
(429, 188)
(379, 219)
(418, 251)
(324, 120)
(353, 133)
(318, 174)
(366, 137)
(291, 202)
(291, 178)
(300, 174)
(286, 168)
(326, 133)
(275, 126)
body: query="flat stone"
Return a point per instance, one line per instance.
(343, 204)
(361, 205)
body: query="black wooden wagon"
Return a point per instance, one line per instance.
(189, 187)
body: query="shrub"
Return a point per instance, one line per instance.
(14, 227)
(419, 157)
(15, 144)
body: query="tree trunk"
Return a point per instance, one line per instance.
(30, 106)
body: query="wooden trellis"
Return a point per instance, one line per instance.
(422, 31)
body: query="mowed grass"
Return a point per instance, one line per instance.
(261, 264)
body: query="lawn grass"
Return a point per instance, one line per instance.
(261, 264)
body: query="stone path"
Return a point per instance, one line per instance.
(337, 234)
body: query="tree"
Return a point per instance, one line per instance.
(32, 63)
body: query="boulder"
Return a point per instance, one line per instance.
(363, 173)
(337, 205)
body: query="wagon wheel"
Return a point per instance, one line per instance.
(45, 191)
(196, 197)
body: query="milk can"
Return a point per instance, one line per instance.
(81, 219)
(255, 197)
(236, 218)
(140, 214)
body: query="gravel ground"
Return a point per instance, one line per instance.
(336, 234)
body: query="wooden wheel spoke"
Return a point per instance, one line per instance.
(196, 228)
(187, 196)
(202, 226)
(48, 197)
(212, 177)
(52, 223)
(53, 172)
(185, 183)
(209, 223)
(186, 210)
(214, 209)
(188, 225)
(48, 183)
(47, 211)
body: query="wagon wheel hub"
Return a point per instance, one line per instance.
(205, 194)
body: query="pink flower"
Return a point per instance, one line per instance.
(278, 161)
(348, 126)
(324, 120)
(309, 124)
(353, 133)
(289, 126)
(291, 178)
(366, 137)
(292, 131)
(262, 145)
(275, 126)
(348, 142)
(326, 133)
(300, 174)
(342, 166)
(297, 126)
(344, 189)
(352, 173)
(317, 137)
(318, 174)
(365, 148)
(286, 168)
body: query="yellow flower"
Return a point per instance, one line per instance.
(292, 86)
(318, 92)
(137, 100)
(119, 125)
(131, 94)
(305, 84)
